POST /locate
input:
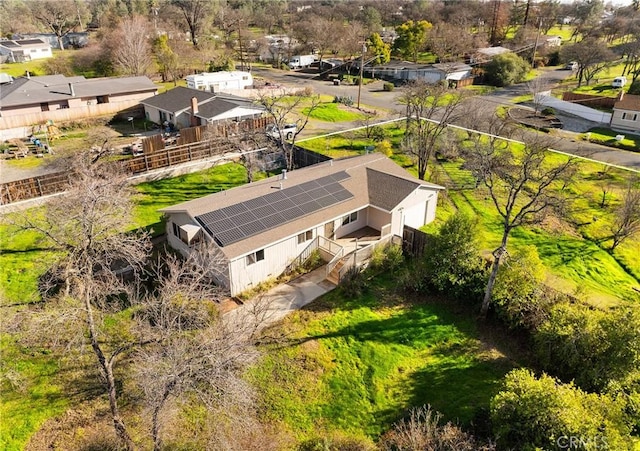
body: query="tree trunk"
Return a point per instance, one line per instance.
(498, 253)
(110, 382)
(59, 37)
(155, 423)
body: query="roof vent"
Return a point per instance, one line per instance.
(280, 185)
(284, 174)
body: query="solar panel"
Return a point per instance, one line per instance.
(342, 195)
(245, 219)
(247, 216)
(251, 228)
(272, 221)
(235, 209)
(263, 211)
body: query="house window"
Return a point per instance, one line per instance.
(305, 236)
(44, 107)
(255, 257)
(630, 116)
(353, 217)
(102, 99)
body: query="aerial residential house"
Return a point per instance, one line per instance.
(337, 207)
(186, 107)
(626, 114)
(485, 54)
(26, 101)
(24, 50)
(75, 39)
(455, 72)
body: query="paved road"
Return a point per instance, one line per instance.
(373, 96)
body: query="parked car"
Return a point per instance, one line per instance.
(571, 65)
(288, 131)
(619, 82)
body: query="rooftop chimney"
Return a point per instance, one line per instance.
(28, 76)
(194, 111)
(71, 90)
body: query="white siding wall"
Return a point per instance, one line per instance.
(627, 124)
(377, 218)
(352, 226)
(419, 204)
(276, 258)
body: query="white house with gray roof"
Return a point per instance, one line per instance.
(259, 229)
(186, 107)
(17, 51)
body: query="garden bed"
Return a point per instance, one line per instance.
(538, 121)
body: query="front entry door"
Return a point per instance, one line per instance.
(329, 231)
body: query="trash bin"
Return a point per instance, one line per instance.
(336, 82)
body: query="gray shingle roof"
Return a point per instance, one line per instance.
(387, 177)
(386, 191)
(51, 88)
(178, 99)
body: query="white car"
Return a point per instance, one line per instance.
(288, 131)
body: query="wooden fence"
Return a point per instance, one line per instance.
(34, 187)
(590, 100)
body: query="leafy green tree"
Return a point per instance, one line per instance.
(453, 260)
(532, 413)
(518, 293)
(593, 347)
(506, 69)
(376, 46)
(412, 37)
(166, 59)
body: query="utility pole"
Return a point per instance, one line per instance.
(535, 47)
(364, 49)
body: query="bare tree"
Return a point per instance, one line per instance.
(592, 56)
(59, 16)
(87, 227)
(522, 184)
(537, 87)
(284, 108)
(195, 13)
(132, 48)
(627, 217)
(430, 109)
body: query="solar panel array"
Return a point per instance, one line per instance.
(242, 220)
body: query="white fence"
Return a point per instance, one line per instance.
(545, 98)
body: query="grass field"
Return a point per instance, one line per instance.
(334, 112)
(36, 395)
(355, 365)
(608, 137)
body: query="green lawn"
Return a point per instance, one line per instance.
(37, 396)
(607, 137)
(575, 251)
(334, 112)
(356, 365)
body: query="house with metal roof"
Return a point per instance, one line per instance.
(35, 100)
(626, 114)
(187, 107)
(22, 50)
(338, 207)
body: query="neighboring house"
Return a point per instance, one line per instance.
(551, 41)
(259, 229)
(74, 39)
(431, 73)
(626, 114)
(24, 50)
(482, 55)
(35, 100)
(186, 107)
(220, 81)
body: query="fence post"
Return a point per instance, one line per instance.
(39, 186)
(189, 152)
(146, 163)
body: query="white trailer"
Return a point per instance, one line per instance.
(301, 61)
(220, 81)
